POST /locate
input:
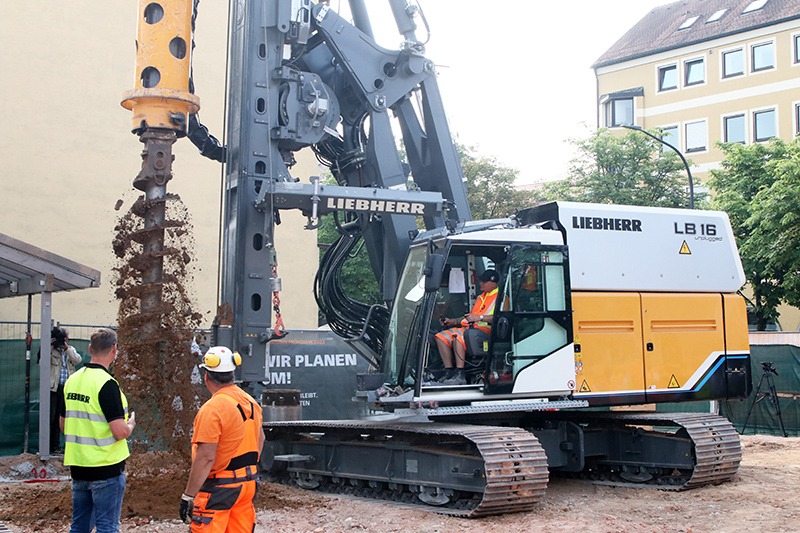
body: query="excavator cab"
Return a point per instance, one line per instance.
(528, 351)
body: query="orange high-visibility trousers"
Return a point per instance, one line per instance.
(225, 508)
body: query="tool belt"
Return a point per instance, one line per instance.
(227, 477)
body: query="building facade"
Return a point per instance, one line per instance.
(68, 154)
(704, 72)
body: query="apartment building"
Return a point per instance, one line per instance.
(706, 71)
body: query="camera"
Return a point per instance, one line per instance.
(58, 338)
(767, 366)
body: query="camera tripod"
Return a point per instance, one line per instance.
(769, 371)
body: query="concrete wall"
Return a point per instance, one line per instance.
(67, 154)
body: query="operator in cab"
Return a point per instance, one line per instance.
(450, 342)
(226, 445)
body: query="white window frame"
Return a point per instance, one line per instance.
(744, 114)
(674, 142)
(686, 137)
(685, 73)
(751, 59)
(753, 112)
(659, 68)
(743, 50)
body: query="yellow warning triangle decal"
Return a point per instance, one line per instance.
(673, 383)
(585, 387)
(685, 249)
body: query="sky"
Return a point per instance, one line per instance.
(516, 77)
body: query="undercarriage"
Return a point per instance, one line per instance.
(475, 469)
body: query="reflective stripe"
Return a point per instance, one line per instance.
(89, 441)
(85, 416)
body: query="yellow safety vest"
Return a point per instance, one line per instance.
(88, 437)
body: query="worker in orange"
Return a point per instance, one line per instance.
(226, 446)
(450, 342)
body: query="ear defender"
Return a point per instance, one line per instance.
(212, 360)
(237, 359)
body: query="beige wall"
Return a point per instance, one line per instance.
(776, 88)
(67, 152)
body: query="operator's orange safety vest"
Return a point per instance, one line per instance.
(484, 305)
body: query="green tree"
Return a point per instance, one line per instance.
(491, 189)
(754, 186)
(631, 169)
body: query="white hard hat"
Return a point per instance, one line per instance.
(221, 359)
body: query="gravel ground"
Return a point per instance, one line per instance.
(763, 497)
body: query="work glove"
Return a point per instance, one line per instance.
(187, 503)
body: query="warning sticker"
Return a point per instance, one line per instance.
(585, 387)
(673, 383)
(685, 249)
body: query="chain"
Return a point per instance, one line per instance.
(279, 329)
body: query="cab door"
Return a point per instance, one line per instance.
(530, 348)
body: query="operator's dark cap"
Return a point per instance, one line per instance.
(489, 275)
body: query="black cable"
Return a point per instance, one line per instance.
(208, 145)
(346, 316)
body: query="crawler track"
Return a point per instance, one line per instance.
(478, 470)
(712, 445)
(462, 470)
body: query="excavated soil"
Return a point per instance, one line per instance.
(155, 364)
(763, 497)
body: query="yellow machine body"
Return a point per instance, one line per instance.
(635, 347)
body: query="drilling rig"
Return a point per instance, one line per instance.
(597, 305)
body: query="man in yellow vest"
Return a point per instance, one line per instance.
(96, 423)
(450, 342)
(226, 445)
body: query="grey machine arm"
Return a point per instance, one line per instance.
(303, 76)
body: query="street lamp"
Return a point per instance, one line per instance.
(665, 143)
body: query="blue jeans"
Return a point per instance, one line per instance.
(97, 503)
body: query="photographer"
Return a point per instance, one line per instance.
(63, 359)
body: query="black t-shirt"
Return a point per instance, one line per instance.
(111, 404)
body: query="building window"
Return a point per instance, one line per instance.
(696, 136)
(619, 112)
(764, 125)
(688, 23)
(755, 5)
(717, 15)
(695, 72)
(797, 48)
(668, 77)
(734, 129)
(797, 119)
(763, 56)
(733, 63)
(669, 134)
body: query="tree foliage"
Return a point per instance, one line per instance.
(491, 188)
(759, 187)
(631, 169)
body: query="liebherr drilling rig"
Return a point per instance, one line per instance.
(597, 305)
